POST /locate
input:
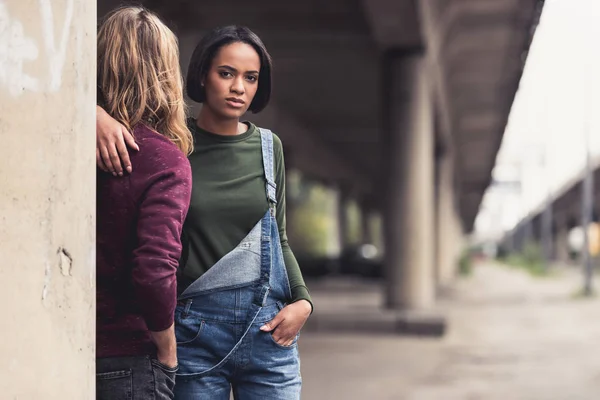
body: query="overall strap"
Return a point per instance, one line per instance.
(266, 138)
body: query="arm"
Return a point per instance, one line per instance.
(111, 136)
(162, 211)
(288, 322)
(166, 345)
(297, 285)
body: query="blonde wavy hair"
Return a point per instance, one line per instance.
(139, 78)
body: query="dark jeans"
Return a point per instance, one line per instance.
(133, 378)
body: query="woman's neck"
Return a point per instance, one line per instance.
(226, 127)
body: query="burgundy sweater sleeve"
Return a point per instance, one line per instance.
(162, 209)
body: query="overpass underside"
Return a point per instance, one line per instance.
(401, 104)
(550, 224)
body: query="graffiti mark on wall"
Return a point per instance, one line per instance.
(56, 54)
(17, 49)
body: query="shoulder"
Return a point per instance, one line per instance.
(278, 157)
(277, 144)
(277, 150)
(157, 156)
(157, 150)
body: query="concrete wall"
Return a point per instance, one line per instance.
(47, 200)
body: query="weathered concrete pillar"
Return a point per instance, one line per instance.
(456, 244)
(366, 225)
(47, 200)
(522, 234)
(342, 218)
(410, 212)
(528, 233)
(446, 221)
(561, 241)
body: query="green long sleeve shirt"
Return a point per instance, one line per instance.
(228, 199)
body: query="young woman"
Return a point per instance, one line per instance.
(140, 217)
(242, 297)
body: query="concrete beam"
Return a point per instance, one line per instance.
(433, 42)
(307, 152)
(394, 23)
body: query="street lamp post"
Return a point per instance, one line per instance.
(586, 217)
(588, 180)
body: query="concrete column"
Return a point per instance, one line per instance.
(547, 235)
(457, 245)
(366, 225)
(523, 235)
(561, 241)
(410, 212)
(446, 221)
(342, 218)
(528, 232)
(47, 200)
(509, 242)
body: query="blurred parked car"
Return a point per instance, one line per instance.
(363, 260)
(315, 267)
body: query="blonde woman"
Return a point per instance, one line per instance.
(140, 216)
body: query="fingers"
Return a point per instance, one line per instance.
(126, 139)
(107, 162)
(130, 140)
(123, 155)
(283, 333)
(112, 139)
(99, 161)
(274, 323)
(114, 158)
(284, 338)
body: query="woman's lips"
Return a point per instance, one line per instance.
(235, 103)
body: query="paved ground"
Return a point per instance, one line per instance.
(510, 337)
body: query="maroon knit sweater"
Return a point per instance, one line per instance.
(139, 222)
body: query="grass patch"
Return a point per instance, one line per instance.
(533, 268)
(529, 260)
(465, 263)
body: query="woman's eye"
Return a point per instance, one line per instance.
(252, 78)
(225, 74)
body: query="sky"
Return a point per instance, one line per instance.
(554, 118)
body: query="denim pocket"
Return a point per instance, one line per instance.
(281, 306)
(188, 329)
(164, 380)
(291, 346)
(165, 368)
(114, 385)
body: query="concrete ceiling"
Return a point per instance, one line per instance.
(567, 203)
(328, 72)
(485, 43)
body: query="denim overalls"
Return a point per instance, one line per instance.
(217, 320)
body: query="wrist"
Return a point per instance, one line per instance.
(305, 306)
(169, 359)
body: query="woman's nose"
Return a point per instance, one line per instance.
(237, 86)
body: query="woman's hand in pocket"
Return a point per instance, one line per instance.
(288, 322)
